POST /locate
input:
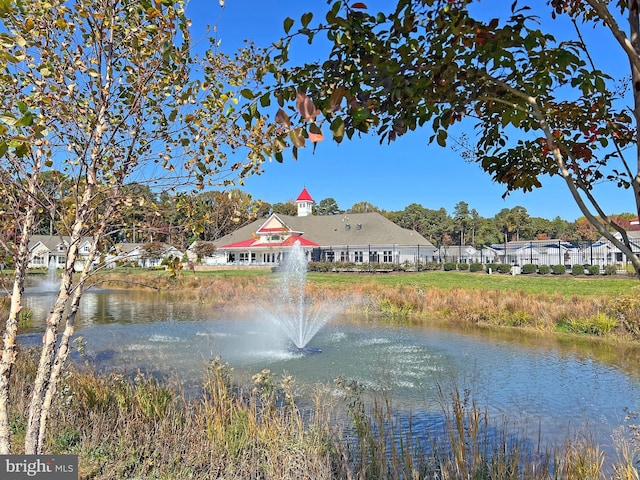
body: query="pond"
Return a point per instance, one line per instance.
(558, 385)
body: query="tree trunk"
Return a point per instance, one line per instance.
(63, 349)
(11, 329)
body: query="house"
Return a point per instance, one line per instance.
(539, 252)
(466, 254)
(50, 251)
(612, 254)
(145, 255)
(354, 237)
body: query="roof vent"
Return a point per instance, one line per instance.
(347, 227)
(359, 227)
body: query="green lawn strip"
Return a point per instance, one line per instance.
(566, 285)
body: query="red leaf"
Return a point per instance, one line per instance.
(306, 107)
(359, 5)
(282, 118)
(315, 133)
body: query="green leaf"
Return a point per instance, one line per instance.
(8, 118)
(337, 129)
(247, 93)
(25, 121)
(306, 18)
(442, 138)
(22, 150)
(288, 23)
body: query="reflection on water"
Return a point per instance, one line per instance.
(557, 384)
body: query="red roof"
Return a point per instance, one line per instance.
(304, 196)
(289, 242)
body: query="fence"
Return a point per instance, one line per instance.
(537, 252)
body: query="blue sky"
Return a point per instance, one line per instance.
(409, 170)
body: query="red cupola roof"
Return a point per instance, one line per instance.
(304, 196)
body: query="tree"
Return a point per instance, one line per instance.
(540, 106)
(461, 217)
(327, 206)
(474, 223)
(211, 215)
(104, 92)
(586, 230)
(287, 208)
(363, 207)
(412, 217)
(204, 249)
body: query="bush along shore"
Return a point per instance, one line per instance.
(135, 426)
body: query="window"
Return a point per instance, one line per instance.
(358, 257)
(344, 256)
(387, 256)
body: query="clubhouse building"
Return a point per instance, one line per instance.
(351, 237)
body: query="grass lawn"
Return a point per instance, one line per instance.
(564, 284)
(567, 285)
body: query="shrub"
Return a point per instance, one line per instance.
(599, 324)
(577, 270)
(492, 266)
(463, 266)
(593, 269)
(449, 266)
(544, 269)
(432, 266)
(504, 268)
(559, 269)
(610, 270)
(475, 267)
(529, 268)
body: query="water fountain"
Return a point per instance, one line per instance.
(295, 314)
(51, 282)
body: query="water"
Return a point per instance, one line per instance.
(50, 282)
(298, 317)
(556, 385)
